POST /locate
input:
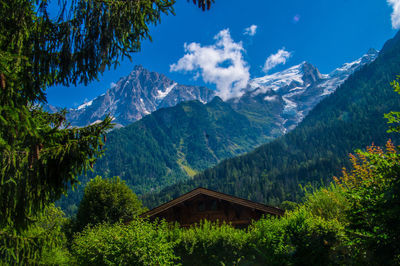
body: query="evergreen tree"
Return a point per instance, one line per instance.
(40, 156)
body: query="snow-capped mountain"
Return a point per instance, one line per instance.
(277, 102)
(132, 97)
(287, 96)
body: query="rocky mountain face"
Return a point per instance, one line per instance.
(132, 97)
(285, 98)
(276, 102)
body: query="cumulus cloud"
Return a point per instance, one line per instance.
(396, 13)
(251, 31)
(276, 59)
(221, 63)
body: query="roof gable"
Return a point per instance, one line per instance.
(217, 195)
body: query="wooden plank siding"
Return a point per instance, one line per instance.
(204, 204)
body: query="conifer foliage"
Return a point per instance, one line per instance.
(40, 155)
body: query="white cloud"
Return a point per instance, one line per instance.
(276, 59)
(221, 63)
(251, 31)
(396, 13)
(112, 85)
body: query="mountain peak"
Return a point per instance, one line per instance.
(310, 73)
(372, 51)
(138, 67)
(136, 95)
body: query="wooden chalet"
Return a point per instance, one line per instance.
(204, 204)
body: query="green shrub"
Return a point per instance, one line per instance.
(299, 238)
(209, 244)
(329, 203)
(372, 188)
(107, 201)
(136, 243)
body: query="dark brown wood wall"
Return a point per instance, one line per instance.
(203, 207)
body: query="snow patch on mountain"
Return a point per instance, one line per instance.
(271, 98)
(163, 94)
(277, 80)
(82, 106)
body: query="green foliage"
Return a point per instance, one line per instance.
(40, 155)
(43, 242)
(352, 222)
(299, 238)
(137, 243)
(210, 244)
(327, 202)
(107, 201)
(394, 117)
(316, 149)
(373, 192)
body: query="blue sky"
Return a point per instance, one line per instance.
(326, 33)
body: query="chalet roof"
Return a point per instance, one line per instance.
(198, 191)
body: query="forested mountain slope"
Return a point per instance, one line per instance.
(173, 143)
(317, 149)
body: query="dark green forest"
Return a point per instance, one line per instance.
(317, 149)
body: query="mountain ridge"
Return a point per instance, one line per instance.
(134, 96)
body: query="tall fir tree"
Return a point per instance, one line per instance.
(40, 155)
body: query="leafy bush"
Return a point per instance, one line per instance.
(328, 203)
(373, 192)
(107, 201)
(299, 238)
(136, 243)
(210, 244)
